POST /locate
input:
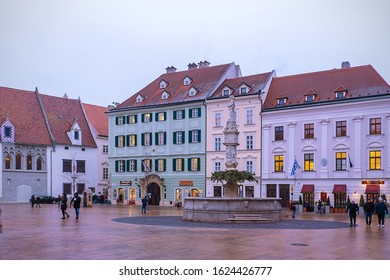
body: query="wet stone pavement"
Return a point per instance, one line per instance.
(121, 232)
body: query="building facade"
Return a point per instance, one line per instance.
(157, 145)
(326, 135)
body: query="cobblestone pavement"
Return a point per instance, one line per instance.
(113, 232)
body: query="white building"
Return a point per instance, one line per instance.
(336, 125)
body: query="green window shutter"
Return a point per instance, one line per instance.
(136, 118)
(184, 136)
(165, 116)
(135, 140)
(165, 137)
(151, 138)
(184, 114)
(116, 120)
(143, 118)
(127, 119)
(189, 164)
(116, 166)
(142, 166)
(156, 138)
(165, 165)
(198, 167)
(127, 165)
(127, 140)
(190, 136)
(199, 112)
(174, 115)
(116, 141)
(174, 165)
(190, 113)
(199, 137)
(142, 139)
(156, 117)
(174, 137)
(156, 165)
(135, 165)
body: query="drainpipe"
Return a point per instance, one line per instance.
(260, 96)
(51, 168)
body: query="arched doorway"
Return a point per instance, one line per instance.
(155, 194)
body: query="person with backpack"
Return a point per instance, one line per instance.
(76, 200)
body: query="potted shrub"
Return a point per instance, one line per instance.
(327, 205)
(300, 204)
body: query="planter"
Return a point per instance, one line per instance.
(300, 208)
(327, 209)
(331, 209)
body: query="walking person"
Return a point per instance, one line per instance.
(64, 205)
(76, 200)
(144, 203)
(294, 210)
(369, 208)
(38, 202)
(352, 209)
(32, 200)
(381, 211)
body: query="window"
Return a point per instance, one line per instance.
(309, 162)
(146, 139)
(163, 84)
(105, 173)
(375, 160)
(178, 137)
(178, 164)
(131, 165)
(39, 164)
(192, 91)
(80, 188)
(132, 140)
(139, 98)
(76, 135)
(217, 119)
(279, 163)
(194, 136)
(340, 200)
(341, 161)
(249, 191)
(309, 98)
(29, 162)
(146, 165)
(217, 191)
(7, 131)
(249, 116)
(226, 92)
(309, 131)
(243, 90)
(281, 101)
(66, 165)
(161, 116)
(195, 113)
(279, 133)
(161, 138)
(132, 119)
(193, 164)
(340, 94)
(164, 95)
(120, 141)
(178, 115)
(375, 126)
(120, 166)
(120, 120)
(187, 81)
(146, 118)
(217, 143)
(7, 162)
(67, 188)
(217, 166)
(80, 164)
(249, 142)
(18, 161)
(105, 149)
(249, 166)
(160, 165)
(341, 128)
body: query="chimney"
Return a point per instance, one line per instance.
(192, 66)
(345, 64)
(204, 64)
(171, 69)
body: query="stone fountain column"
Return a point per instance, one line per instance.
(231, 142)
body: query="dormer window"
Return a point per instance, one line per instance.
(281, 101)
(243, 90)
(340, 94)
(75, 134)
(187, 81)
(164, 95)
(7, 132)
(226, 92)
(139, 98)
(192, 92)
(310, 96)
(163, 84)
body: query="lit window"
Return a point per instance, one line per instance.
(309, 162)
(132, 119)
(341, 161)
(146, 165)
(7, 162)
(29, 162)
(161, 116)
(195, 164)
(279, 161)
(375, 160)
(178, 164)
(120, 120)
(160, 166)
(120, 141)
(132, 140)
(147, 117)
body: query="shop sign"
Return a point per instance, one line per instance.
(367, 182)
(125, 183)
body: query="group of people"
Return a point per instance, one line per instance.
(369, 207)
(76, 200)
(35, 200)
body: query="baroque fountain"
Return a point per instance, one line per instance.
(231, 207)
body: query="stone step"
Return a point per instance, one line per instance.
(248, 218)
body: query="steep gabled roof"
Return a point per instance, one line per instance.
(358, 82)
(61, 114)
(203, 79)
(98, 118)
(23, 111)
(255, 83)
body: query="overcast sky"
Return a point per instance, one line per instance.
(105, 51)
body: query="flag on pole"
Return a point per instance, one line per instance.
(350, 162)
(294, 167)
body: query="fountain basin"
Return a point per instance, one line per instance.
(227, 209)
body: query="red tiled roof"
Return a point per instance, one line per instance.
(203, 79)
(61, 113)
(23, 110)
(358, 81)
(98, 118)
(255, 82)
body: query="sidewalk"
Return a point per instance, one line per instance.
(112, 232)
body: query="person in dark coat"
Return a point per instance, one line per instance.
(32, 200)
(64, 205)
(352, 209)
(381, 211)
(144, 203)
(369, 208)
(76, 200)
